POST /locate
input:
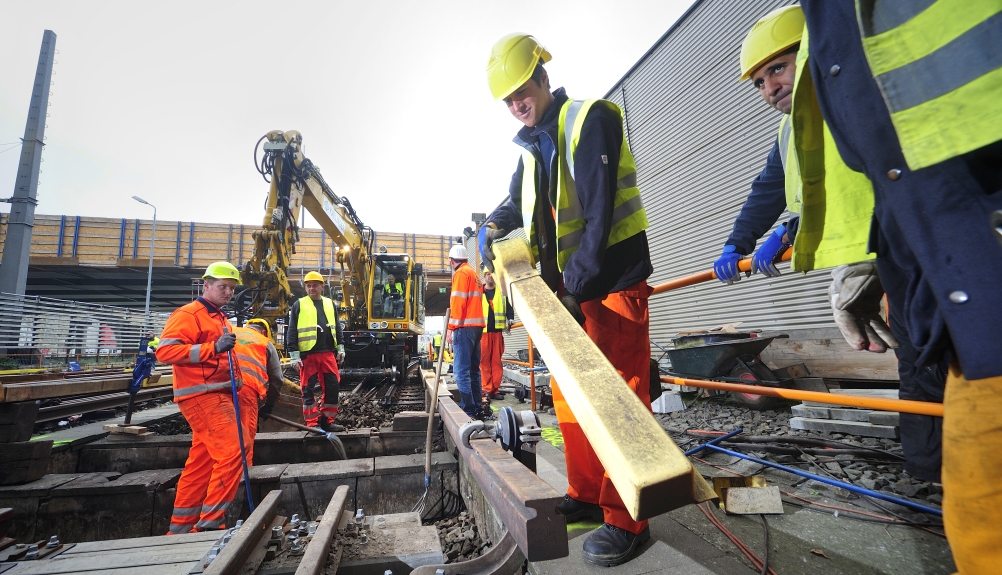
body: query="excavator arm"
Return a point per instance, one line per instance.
(296, 182)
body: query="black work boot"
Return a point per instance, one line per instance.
(610, 546)
(329, 426)
(576, 510)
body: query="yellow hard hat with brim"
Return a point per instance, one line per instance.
(259, 321)
(313, 277)
(513, 58)
(222, 271)
(773, 34)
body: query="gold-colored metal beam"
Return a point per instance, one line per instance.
(650, 472)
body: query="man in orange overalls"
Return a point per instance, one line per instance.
(261, 367)
(196, 341)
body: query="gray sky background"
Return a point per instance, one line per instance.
(166, 100)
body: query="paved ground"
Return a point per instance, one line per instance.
(802, 541)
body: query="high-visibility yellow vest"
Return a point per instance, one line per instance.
(498, 303)
(394, 289)
(836, 203)
(788, 155)
(437, 340)
(628, 218)
(306, 325)
(939, 68)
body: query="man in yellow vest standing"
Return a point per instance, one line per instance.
(499, 316)
(575, 195)
(315, 340)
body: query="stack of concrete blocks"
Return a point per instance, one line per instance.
(814, 416)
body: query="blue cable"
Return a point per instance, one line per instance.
(240, 432)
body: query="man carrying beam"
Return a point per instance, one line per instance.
(574, 193)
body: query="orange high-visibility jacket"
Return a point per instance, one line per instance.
(465, 307)
(260, 364)
(188, 342)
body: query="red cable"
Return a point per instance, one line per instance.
(754, 558)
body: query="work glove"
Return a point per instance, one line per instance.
(294, 360)
(226, 342)
(265, 410)
(765, 256)
(726, 266)
(570, 302)
(507, 327)
(485, 238)
(340, 354)
(855, 295)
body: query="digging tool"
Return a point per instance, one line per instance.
(334, 439)
(743, 266)
(419, 506)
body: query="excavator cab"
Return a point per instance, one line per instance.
(397, 296)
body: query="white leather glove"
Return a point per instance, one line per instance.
(855, 295)
(294, 360)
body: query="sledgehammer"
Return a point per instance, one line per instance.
(334, 439)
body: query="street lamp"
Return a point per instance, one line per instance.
(149, 274)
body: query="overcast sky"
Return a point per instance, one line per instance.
(166, 100)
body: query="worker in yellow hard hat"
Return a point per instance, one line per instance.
(317, 349)
(595, 257)
(196, 341)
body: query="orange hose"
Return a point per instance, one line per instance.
(878, 403)
(744, 265)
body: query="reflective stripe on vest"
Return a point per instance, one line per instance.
(788, 155)
(939, 68)
(306, 325)
(182, 392)
(837, 202)
(499, 309)
(628, 217)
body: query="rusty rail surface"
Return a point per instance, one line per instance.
(524, 502)
(316, 552)
(232, 557)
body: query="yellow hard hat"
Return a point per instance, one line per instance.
(513, 58)
(259, 321)
(313, 277)
(222, 271)
(775, 33)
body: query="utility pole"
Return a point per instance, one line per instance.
(14, 264)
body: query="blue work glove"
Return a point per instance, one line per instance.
(726, 266)
(765, 256)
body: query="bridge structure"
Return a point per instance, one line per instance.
(105, 260)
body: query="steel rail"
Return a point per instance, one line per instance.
(234, 554)
(68, 407)
(525, 503)
(649, 471)
(315, 557)
(876, 403)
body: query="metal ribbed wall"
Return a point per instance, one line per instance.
(700, 137)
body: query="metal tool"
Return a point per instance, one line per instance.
(744, 265)
(419, 506)
(333, 438)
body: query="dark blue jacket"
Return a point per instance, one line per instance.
(763, 206)
(593, 270)
(931, 228)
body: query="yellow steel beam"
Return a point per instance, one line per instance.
(650, 472)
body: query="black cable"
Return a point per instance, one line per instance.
(765, 557)
(866, 519)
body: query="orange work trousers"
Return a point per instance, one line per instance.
(972, 463)
(619, 324)
(491, 350)
(214, 469)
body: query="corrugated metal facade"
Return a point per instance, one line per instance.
(700, 137)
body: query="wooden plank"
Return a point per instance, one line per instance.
(198, 548)
(316, 552)
(826, 354)
(137, 561)
(60, 388)
(143, 542)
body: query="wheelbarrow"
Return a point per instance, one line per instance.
(726, 357)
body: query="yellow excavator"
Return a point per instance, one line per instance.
(380, 296)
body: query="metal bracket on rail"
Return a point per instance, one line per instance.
(518, 432)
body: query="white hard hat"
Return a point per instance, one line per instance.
(458, 252)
